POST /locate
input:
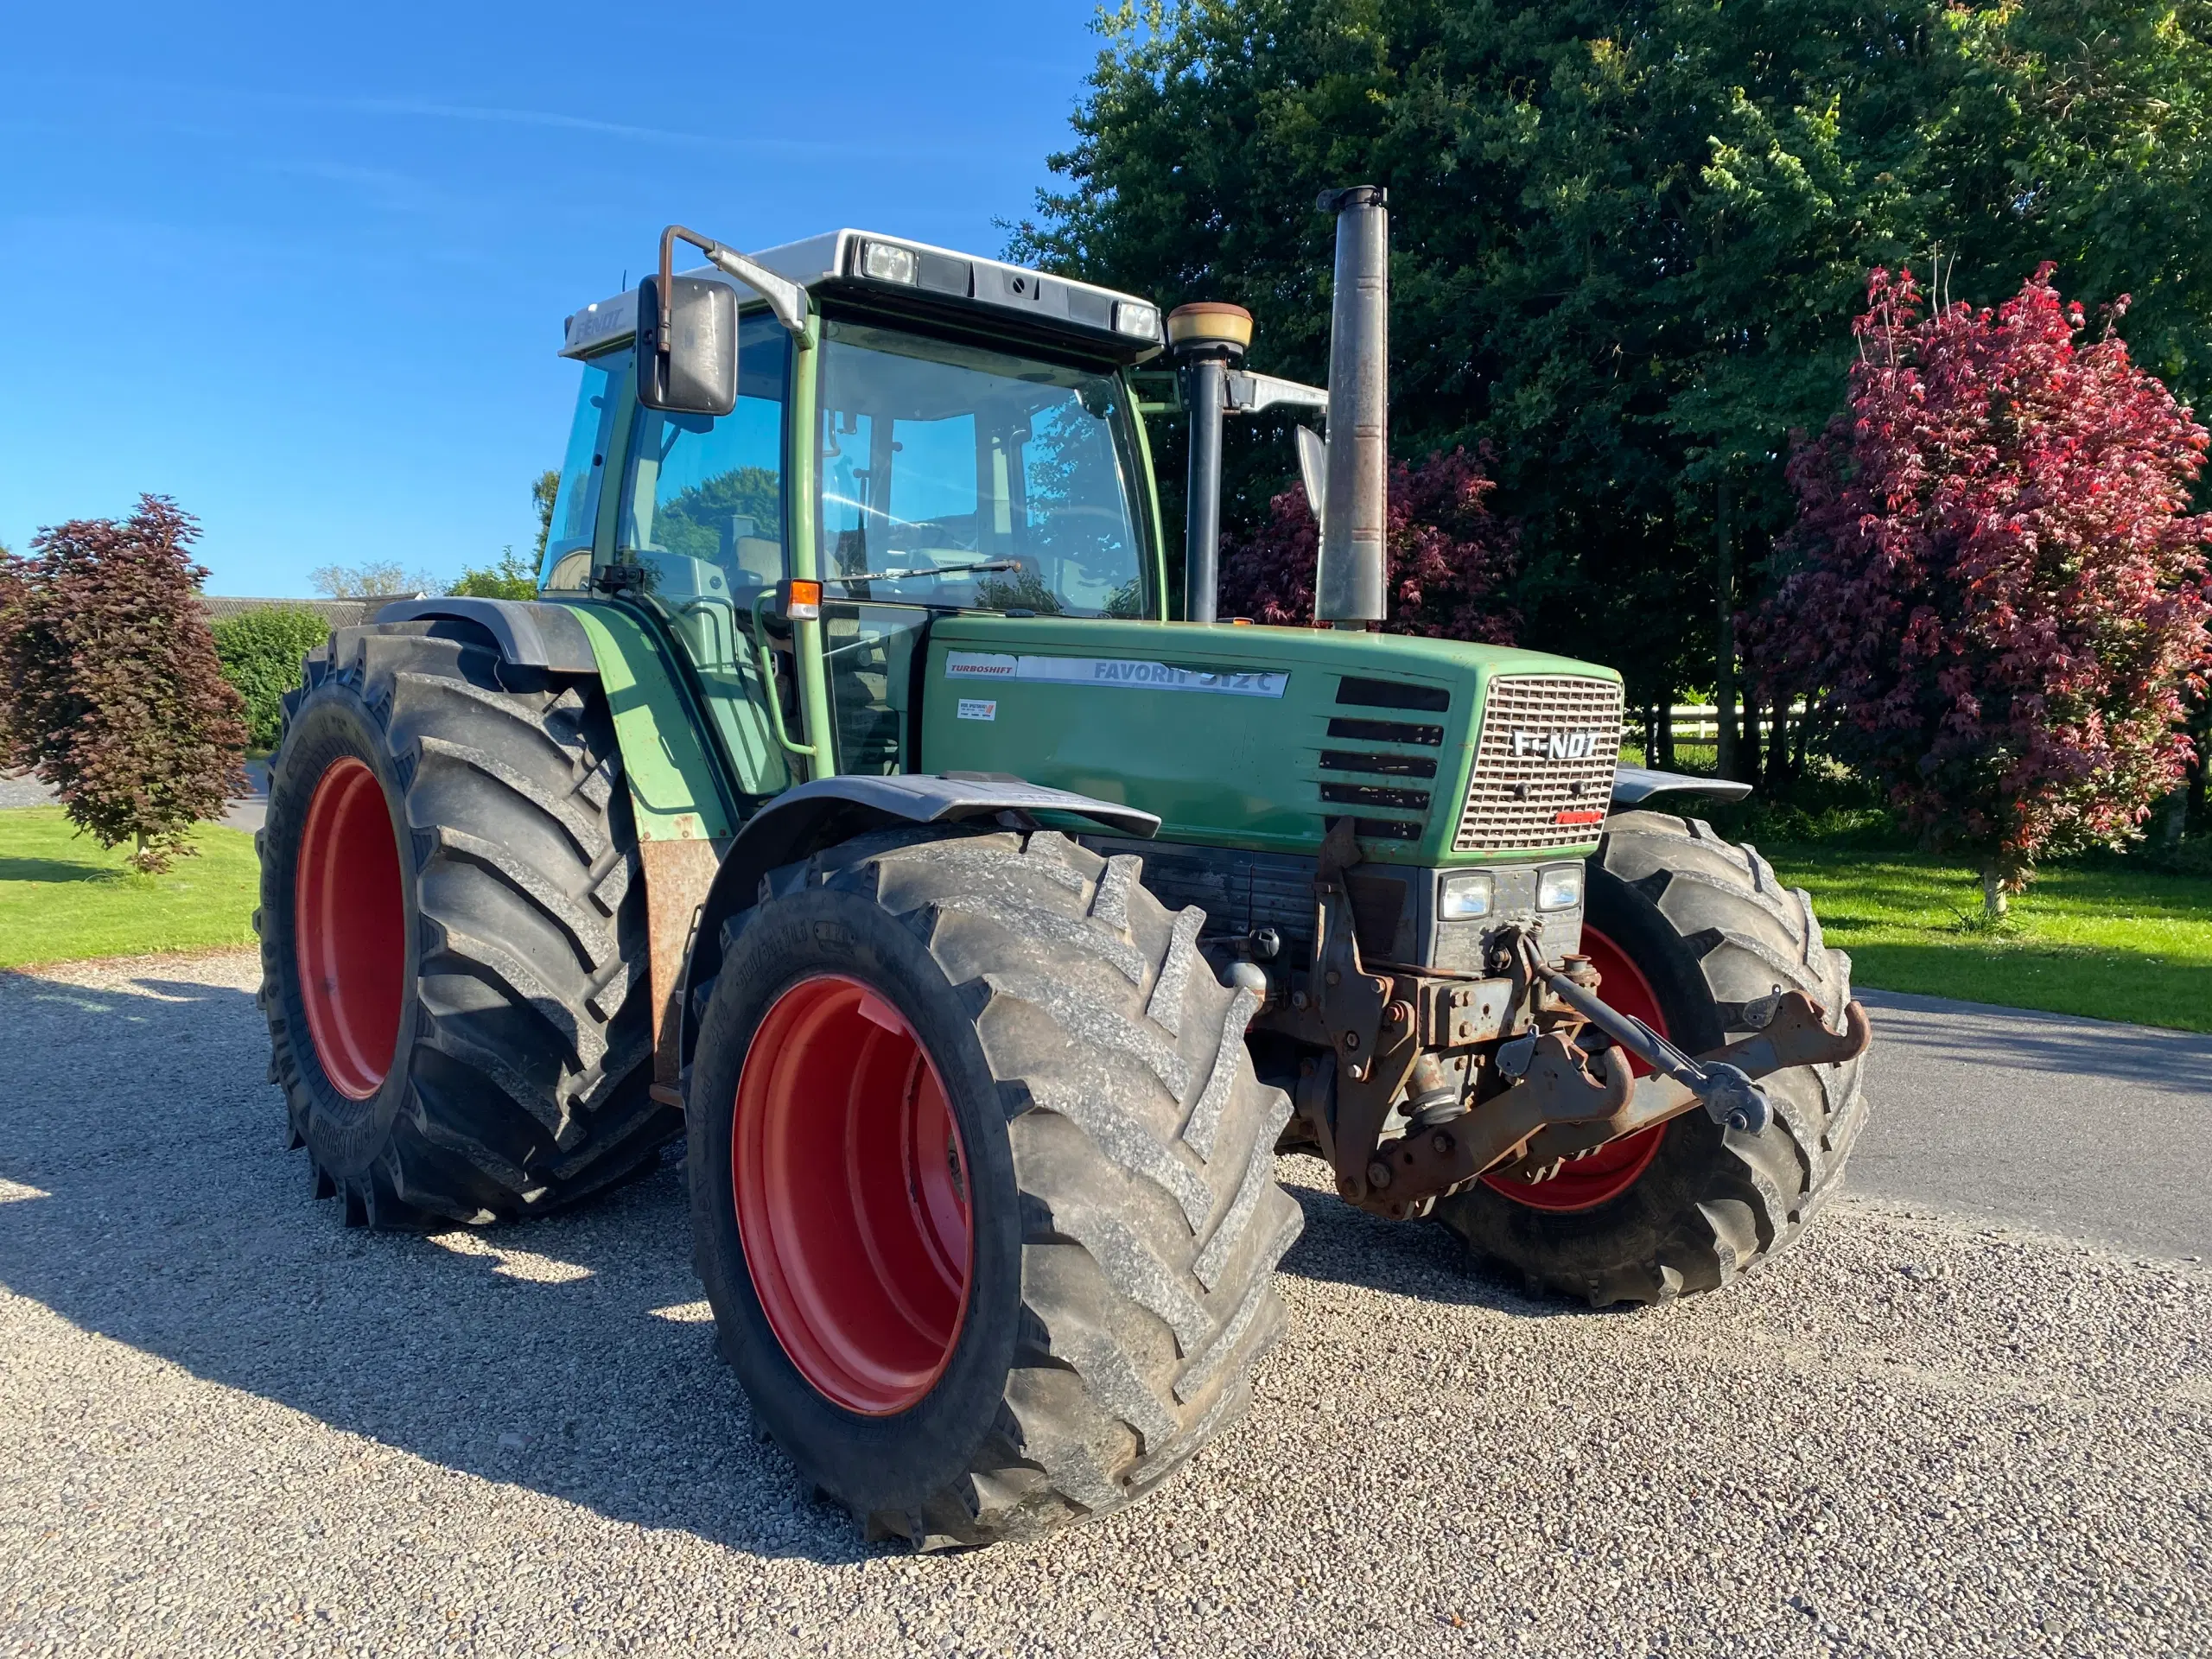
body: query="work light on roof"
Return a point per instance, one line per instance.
(887, 262)
(1136, 319)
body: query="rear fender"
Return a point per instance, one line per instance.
(528, 635)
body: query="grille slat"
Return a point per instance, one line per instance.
(1387, 731)
(1516, 801)
(1405, 800)
(1388, 765)
(1393, 694)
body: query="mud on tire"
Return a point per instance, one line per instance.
(1125, 1218)
(1712, 930)
(516, 1076)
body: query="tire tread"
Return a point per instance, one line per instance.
(1144, 1148)
(525, 1085)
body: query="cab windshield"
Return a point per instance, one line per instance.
(958, 477)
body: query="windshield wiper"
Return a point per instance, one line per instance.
(940, 570)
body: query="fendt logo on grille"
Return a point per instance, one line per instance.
(1554, 745)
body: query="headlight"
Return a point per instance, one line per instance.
(1136, 319)
(1560, 888)
(1464, 897)
(888, 262)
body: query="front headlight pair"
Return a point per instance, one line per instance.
(1469, 895)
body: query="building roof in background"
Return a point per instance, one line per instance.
(340, 613)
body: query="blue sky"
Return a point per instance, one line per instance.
(304, 268)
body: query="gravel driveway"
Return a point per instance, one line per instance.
(228, 1425)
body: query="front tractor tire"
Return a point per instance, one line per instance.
(982, 1183)
(1686, 929)
(453, 933)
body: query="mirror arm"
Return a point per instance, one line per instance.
(1250, 393)
(786, 298)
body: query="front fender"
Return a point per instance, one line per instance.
(1635, 785)
(802, 821)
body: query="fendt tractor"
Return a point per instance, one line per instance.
(853, 803)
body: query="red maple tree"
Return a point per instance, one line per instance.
(110, 686)
(1448, 556)
(2001, 597)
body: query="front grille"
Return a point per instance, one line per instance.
(1544, 765)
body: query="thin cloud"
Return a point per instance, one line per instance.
(491, 113)
(499, 115)
(549, 120)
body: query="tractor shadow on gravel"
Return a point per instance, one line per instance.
(570, 1355)
(1418, 1260)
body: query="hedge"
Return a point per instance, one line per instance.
(261, 650)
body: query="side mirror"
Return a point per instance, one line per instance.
(693, 371)
(1313, 470)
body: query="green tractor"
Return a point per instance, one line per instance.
(853, 803)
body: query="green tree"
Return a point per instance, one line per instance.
(2082, 129)
(544, 490)
(260, 651)
(1629, 239)
(698, 523)
(512, 577)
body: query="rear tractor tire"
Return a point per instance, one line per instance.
(1686, 929)
(982, 1183)
(453, 933)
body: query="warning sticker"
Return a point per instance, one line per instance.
(979, 708)
(1114, 670)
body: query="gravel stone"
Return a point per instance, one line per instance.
(227, 1424)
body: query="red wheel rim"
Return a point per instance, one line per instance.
(852, 1195)
(349, 929)
(1612, 1169)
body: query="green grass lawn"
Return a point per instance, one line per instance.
(2094, 938)
(62, 895)
(2097, 938)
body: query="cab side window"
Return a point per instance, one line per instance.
(583, 464)
(703, 508)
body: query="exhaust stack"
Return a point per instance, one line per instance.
(1349, 588)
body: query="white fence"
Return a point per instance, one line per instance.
(1696, 722)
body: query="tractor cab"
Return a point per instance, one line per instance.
(941, 434)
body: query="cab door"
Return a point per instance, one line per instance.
(703, 516)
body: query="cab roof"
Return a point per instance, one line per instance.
(956, 287)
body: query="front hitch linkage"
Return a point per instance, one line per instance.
(1560, 1105)
(1729, 1095)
